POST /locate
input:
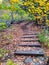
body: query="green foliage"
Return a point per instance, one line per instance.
(2, 52)
(2, 25)
(44, 37)
(21, 7)
(17, 7)
(3, 6)
(10, 62)
(47, 38)
(6, 16)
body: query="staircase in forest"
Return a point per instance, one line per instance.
(29, 44)
(28, 49)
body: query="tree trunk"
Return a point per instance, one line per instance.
(12, 20)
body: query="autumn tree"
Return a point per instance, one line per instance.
(39, 8)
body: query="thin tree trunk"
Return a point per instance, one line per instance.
(12, 20)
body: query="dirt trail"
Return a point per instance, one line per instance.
(23, 37)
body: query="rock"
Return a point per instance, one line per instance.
(41, 58)
(36, 63)
(6, 58)
(28, 60)
(34, 60)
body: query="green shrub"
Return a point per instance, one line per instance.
(10, 62)
(44, 37)
(47, 40)
(3, 25)
(6, 16)
(2, 52)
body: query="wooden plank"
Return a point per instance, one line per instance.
(33, 40)
(31, 45)
(33, 53)
(29, 39)
(34, 36)
(29, 34)
(29, 42)
(32, 31)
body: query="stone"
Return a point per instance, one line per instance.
(36, 63)
(6, 58)
(28, 60)
(41, 58)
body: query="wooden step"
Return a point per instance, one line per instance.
(26, 48)
(29, 23)
(23, 23)
(31, 45)
(30, 33)
(33, 40)
(30, 39)
(33, 53)
(30, 42)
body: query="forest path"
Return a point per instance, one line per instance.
(24, 46)
(29, 50)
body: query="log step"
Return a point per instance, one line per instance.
(30, 52)
(30, 36)
(30, 39)
(31, 45)
(30, 42)
(30, 33)
(33, 40)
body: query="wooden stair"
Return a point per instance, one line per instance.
(30, 39)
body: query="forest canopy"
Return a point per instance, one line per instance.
(32, 9)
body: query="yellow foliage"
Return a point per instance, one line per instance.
(14, 16)
(13, 8)
(14, 1)
(28, 3)
(47, 22)
(38, 17)
(33, 6)
(47, 4)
